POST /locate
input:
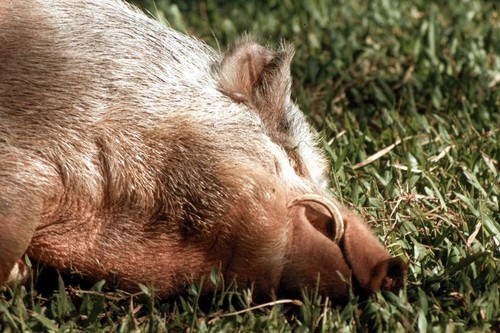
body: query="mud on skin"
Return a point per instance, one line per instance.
(129, 150)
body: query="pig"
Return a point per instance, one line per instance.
(135, 153)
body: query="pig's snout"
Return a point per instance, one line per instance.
(330, 243)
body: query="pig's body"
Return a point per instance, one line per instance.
(129, 150)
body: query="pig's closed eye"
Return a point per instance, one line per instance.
(298, 164)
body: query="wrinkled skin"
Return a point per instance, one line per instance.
(133, 152)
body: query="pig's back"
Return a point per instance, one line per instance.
(120, 107)
(78, 57)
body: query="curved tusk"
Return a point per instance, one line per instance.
(330, 207)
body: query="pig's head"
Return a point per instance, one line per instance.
(327, 244)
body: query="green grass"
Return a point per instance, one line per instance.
(415, 82)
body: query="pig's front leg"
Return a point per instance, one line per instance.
(20, 210)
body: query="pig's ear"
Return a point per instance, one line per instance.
(323, 214)
(258, 77)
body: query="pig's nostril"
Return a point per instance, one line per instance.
(396, 271)
(396, 267)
